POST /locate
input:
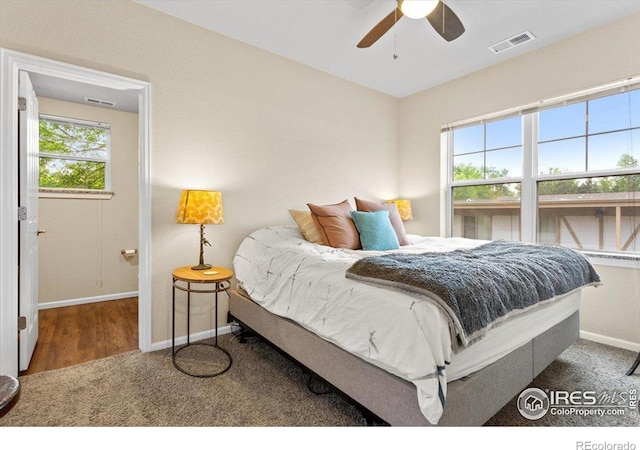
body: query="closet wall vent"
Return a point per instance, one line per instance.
(97, 101)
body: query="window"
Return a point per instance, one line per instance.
(74, 154)
(482, 154)
(561, 172)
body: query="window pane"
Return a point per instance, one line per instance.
(504, 163)
(476, 227)
(562, 156)
(547, 229)
(62, 173)
(635, 108)
(73, 140)
(468, 167)
(487, 212)
(563, 122)
(504, 133)
(615, 112)
(469, 139)
(581, 213)
(614, 150)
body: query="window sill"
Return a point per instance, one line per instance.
(631, 261)
(85, 194)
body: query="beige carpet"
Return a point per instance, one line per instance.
(262, 388)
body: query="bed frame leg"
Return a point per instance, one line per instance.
(374, 421)
(244, 334)
(244, 331)
(316, 385)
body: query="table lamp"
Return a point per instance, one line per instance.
(202, 208)
(404, 208)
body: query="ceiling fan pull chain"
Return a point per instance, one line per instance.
(395, 46)
(395, 37)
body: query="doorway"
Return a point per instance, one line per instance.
(12, 64)
(86, 215)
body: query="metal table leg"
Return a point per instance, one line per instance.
(218, 287)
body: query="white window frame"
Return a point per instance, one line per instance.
(98, 194)
(530, 175)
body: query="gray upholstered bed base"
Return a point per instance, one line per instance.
(471, 400)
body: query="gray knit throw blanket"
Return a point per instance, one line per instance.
(482, 287)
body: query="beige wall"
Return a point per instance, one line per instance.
(80, 252)
(269, 133)
(602, 55)
(613, 309)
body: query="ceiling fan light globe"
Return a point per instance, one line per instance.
(417, 9)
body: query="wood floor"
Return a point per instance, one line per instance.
(75, 334)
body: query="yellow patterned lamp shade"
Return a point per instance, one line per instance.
(404, 208)
(200, 207)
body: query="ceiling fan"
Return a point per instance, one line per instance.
(439, 15)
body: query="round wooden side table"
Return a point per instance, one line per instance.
(183, 279)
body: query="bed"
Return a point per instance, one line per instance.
(390, 351)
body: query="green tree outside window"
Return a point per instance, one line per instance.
(73, 156)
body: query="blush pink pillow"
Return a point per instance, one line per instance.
(394, 216)
(336, 225)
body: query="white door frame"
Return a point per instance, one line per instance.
(11, 63)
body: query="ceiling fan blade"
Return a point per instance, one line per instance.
(445, 22)
(379, 30)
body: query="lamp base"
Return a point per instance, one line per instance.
(201, 267)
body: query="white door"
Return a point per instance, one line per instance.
(28, 226)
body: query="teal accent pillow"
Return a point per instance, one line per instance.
(376, 231)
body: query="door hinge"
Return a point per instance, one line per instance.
(22, 213)
(22, 104)
(22, 323)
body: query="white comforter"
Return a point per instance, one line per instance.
(305, 282)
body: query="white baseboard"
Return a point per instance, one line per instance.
(194, 337)
(82, 301)
(614, 342)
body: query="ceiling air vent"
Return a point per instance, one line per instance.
(512, 42)
(97, 101)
